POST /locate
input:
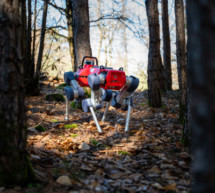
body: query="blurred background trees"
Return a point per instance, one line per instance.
(118, 36)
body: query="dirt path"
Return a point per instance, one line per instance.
(149, 158)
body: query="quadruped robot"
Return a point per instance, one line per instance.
(107, 85)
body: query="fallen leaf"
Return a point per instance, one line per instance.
(170, 187)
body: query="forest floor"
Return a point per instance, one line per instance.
(71, 156)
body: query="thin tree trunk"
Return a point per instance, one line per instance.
(106, 50)
(29, 64)
(42, 39)
(201, 60)
(70, 31)
(100, 29)
(24, 30)
(181, 56)
(34, 35)
(186, 135)
(14, 164)
(100, 42)
(166, 45)
(80, 11)
(124, 38)
(111, 38)
(154, 57)
(29, 67)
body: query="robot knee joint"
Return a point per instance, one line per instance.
(107, 95)
(68, 76)
(72, 94)
(134, 84)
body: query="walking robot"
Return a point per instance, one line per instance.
(115, 86)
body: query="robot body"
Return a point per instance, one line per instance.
(114, 79)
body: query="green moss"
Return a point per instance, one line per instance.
(76, 105)
(55, 97)
(97, 144)
(74, 135)
(87, 92)
(123, 153)
(142, 104)
(69, 126)
(54, 120)
(94, 142)
(61, 86)
(40, 128)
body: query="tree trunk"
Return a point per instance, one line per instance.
(201, 60)
(14, 165)
(124, 39)
(29, 64)
(166, 45)
(181, 56)
(34, 35)
(101, 37)
(154, 57)
(29, 67)
(70, 31)
(24, 30)
(40, 55)
(186, 135)
(81, 34)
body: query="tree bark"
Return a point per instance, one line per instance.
(40, 55)
(124, 38)
(186, 134)
(201, 60)
(80, 11)
(166, 45)
(14, 165)
(101, 37)
(29, 68)
(24, 29)
(70, 31)
(29, 60)
(154, 57)
(34, 35)
(181, 56)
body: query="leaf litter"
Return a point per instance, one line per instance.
(71, 156)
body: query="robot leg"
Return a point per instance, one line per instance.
(107, 96)
(72, 91)
(123, 98)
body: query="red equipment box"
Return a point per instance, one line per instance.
(115, 79)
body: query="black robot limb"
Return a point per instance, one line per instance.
(72, 91)
(107, 96)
